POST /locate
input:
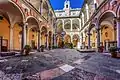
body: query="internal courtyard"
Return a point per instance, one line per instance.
(40, 42)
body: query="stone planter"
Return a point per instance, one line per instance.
(114, 54)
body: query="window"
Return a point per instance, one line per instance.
(66, 6)
(60, 14)
(73, 13)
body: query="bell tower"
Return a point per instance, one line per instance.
(67, 7)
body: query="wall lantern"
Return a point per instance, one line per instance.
(1, 18)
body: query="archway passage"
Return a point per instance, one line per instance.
(67, 24)
(59, 26)
(33, 38)
(32, 32)
(75, 24)
(108, 31)
(67, 39)
(75, 40)
(93, 38)
(44, 36)
(11, 16)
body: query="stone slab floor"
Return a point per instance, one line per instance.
(60, 64)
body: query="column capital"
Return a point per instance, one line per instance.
(97, 29)
(117, 19)
(38, 31)
(89, 33)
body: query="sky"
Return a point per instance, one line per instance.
(59, 4)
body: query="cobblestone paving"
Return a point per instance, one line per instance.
(78, 74)
(45, 66)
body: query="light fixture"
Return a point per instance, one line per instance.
(1, 17)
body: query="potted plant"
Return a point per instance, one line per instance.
(71, 45)
(27, 49)
(42, 48)
(113, 51)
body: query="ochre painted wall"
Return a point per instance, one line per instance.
(93, 38)
(107, 34)
(43, 39)
(67, 39)
(16, 37)
(31, 37)
(5, 30)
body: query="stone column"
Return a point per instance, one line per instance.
(89, 46)
(38, 39)
(80, 24)
(98, 37)
(83, 22)
(63, 25)
(55, 40)
(118, 32)
(87, 11)
(71, 25)
(11, 37)
(46, 43)
(24, 34)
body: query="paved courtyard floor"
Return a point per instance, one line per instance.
(60, 64)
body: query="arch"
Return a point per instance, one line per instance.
(75, 40)
(106, 12)
(92, 25)
(67, 38)
(107, 28)
(12, 15)
(75, 23)
(59, 26)
(43, 29)
(67, 24)
(118, 11)
(23, 15)
(34, 19)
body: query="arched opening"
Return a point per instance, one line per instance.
(44, 36)
(67, 24)
(59, 26)
(32, 32)
(75, 24)
(75, 40)
(32, 37)
(67, 39)
(11, 16)
(93, 36)
(108, 30)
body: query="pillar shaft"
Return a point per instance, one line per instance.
(118, 32)
(98, 38)
(11, 37)
(24, 35)
(63, 25)
(38, 39)
(89, 40)
(71, 26)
